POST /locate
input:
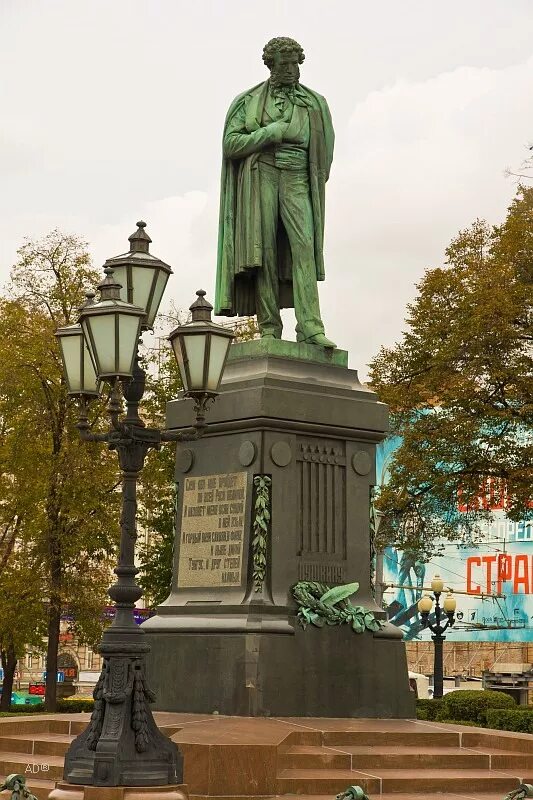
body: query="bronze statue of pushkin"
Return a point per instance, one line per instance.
(277, 153)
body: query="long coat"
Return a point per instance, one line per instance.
(240, 248)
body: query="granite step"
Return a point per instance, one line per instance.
(390, 781)
(32, 766)
(425, 739)
(52, 744)
(324, 782)
(313, 757)
(447, 781)
(368, 758)
(400, 757)
(401, 796)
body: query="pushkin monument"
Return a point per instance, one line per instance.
(277, 153)
(273, 502)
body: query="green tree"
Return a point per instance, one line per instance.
(22, 616)
(460, 388)
(58, 501)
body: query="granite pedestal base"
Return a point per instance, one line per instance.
(227, 639)
(327, 672)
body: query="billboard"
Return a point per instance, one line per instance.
(493, 581)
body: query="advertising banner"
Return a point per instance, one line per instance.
(493, 581)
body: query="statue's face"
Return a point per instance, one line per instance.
(286, 70)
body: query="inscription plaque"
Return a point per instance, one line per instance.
(212, 530)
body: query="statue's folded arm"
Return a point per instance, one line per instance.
(238, 143)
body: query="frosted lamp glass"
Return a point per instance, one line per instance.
(142, 279)
(88, 342)
(178, 354)
(437, 584)
(425, 604)
(162, 278)
(450, 603)
(195, 354)
(90, 382)
(217, 357)
(101, 329)
(127, 342)
(70, 349)
(120, 275)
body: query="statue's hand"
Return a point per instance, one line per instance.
(276, 130)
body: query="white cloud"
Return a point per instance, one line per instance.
(417, 162)
(124, 123)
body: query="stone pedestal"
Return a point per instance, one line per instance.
(227, 639)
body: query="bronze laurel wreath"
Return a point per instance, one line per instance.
(260, 528)
(321, 605)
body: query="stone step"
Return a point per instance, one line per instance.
(35, 766)
(425, 739)
(447, 781)
(389, 781)
(326, 782)
(52, 744)
(401, 796)
(368, 758)
(313, 757)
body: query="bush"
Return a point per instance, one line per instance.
(519, 720)
(472, 705)
(23, 709)
(69, 706)
(427, 709)
(66, 706)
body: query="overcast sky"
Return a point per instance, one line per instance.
(113, 112)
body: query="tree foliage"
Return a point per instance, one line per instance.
(58, 502)
(460, 388)
(22, 615)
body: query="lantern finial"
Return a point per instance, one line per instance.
(109, 288)
(139, 241)
(201, 309)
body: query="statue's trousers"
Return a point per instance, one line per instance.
(285, 197)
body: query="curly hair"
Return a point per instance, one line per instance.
(281, 44)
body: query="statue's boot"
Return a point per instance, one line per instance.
(321, 340)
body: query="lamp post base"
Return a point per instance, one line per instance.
(69, 791)
(122, 745)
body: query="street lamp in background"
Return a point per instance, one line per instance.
(438, 628)
(122, 745)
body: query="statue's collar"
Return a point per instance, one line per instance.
(257, 99)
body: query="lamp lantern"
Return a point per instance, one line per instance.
(450, 603)
(201, 348)
(111, 329)
(142, 276)
(425, 604)
(78, 367)
(437, 584)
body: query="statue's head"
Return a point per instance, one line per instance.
(283, 56)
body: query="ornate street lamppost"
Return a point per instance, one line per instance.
(438, 628)
(122, 745)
